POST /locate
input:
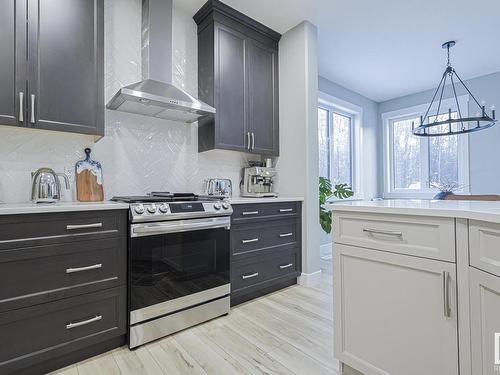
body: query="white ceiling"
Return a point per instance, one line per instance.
(387, 48)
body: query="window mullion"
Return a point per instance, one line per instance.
(424, 163)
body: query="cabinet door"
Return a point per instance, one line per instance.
(12, 62)
(485, 322)
(66, 76)
(230, 89)
(391, 313)
(263, 98)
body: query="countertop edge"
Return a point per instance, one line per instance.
(29, 208)
(246, 200)
(492, 216)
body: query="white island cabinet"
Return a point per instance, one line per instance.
(417, 287)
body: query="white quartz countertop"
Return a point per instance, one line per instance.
(243, 200)
(32, 208)
(476, 210)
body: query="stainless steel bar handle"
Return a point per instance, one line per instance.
(286, 234)
(81, 269)
(21, 106)
(84, 322)
(250, 213)
(248, 141)
(286, 209)
(250, 241)
(286, 266)
(32, 119)
(83, 226)
(446, 294)
(383, 232)
(244, 277)
(253, 141)
(181, 226)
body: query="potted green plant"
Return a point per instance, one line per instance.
(340, 191)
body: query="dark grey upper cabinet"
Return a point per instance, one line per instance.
(65, 58)
(12, 62)
(51, 65)
(238, 75)
(263, 98)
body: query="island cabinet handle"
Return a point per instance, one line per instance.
(383, 232)
(255, 274)
(446, 294)
(83, 226)
(250, 240)
(84, 322)
(286, 234)
(250, 213)
(81, 269)
(282, 267)
(286, 209)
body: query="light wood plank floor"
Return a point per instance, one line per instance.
(287, 332)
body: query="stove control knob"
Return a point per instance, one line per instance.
(225, 205)
(152, 209)
(139, 209)
(217, 206)
(163, 208)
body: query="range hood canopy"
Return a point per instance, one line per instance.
(155, 96)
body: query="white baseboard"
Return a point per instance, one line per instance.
(310, 279)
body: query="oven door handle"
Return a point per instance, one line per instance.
(151, 229)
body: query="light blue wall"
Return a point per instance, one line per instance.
(370, 135)
(484, 146)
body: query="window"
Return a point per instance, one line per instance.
(415, 166)
(339, 143)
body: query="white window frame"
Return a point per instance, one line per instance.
(388, 118)
(355, 112)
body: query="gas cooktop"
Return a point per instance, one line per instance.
(157, 197)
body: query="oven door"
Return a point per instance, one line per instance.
(177, 264)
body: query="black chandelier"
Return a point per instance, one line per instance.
(449, 125)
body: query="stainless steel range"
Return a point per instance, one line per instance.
(178, 263)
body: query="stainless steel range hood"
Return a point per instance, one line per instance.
(155, 96)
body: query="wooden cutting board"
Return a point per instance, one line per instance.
(89, 186)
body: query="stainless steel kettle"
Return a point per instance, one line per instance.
(45, 185)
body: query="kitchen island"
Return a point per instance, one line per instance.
(417, 286)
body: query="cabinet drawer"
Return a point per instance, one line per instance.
(263, 268)
(247, 239)
(43, 273)
(35, 333)
(484, 246)
(31, 229)
(429, 237)
(260, 211)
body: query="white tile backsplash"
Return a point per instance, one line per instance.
(138, 154)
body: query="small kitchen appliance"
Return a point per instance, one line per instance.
(178, 263)
(221, 187)
(45, 185)
(258, 182)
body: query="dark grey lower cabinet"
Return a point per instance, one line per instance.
(265, 248)
(63, 291)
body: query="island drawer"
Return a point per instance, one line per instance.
(43, 228)
(41, 274)
(484, 246)
(39, 332)
(261, 211)
(428, 237)
(247, 239)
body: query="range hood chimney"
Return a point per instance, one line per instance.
(155, 96)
